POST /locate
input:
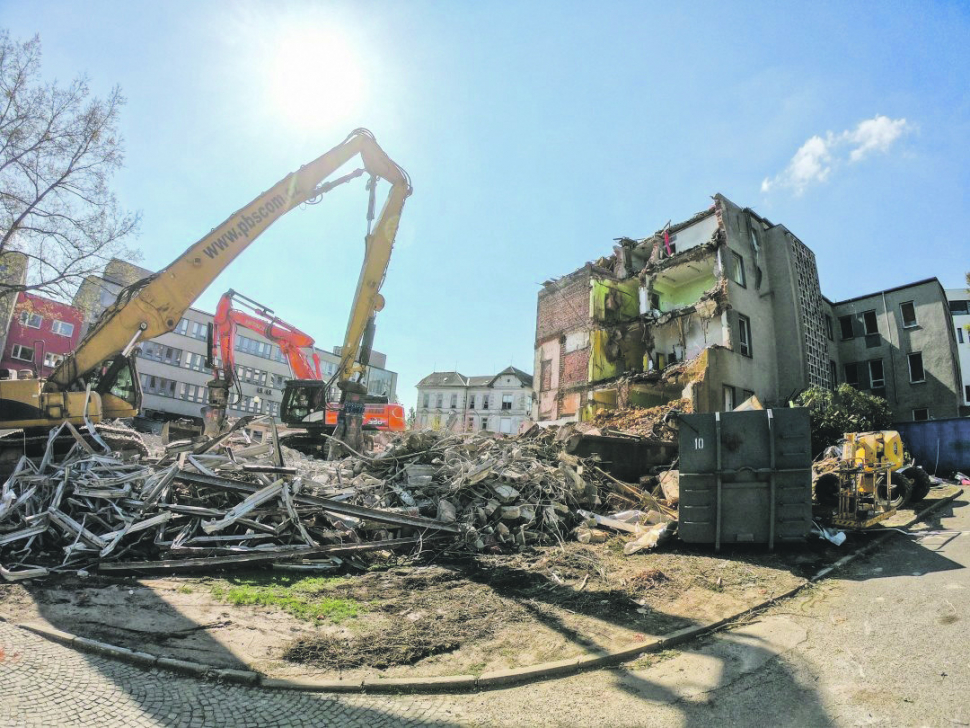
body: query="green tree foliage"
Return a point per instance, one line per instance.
(844, 410)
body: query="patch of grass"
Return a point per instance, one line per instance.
(185, 589)
(304, 598)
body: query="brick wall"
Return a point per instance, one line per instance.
(575, 367)
(563, 305)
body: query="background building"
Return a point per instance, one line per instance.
(959, 305)
(172, 366)
(13, 273)
(725, 305)
(40, 333)
(495, 403)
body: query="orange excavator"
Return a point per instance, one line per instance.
(293, 343)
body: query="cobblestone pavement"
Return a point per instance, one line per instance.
(46, 684)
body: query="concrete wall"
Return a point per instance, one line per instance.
(961, 327)
(932, 335)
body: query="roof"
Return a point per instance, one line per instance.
(444, 379)
(890, 290)
(457, 379)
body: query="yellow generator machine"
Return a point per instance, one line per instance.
(871, 479)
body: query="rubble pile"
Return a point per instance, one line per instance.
(657, 423)
(228, 501)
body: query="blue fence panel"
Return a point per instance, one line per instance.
(940, 446)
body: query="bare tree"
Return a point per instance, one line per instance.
(59, 147)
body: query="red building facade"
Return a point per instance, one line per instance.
(41, 332)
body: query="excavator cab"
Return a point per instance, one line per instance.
(305, 403)
(117, 382)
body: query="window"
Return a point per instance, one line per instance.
(505, 425)
(876, 377)
(828, 327)
(31, 319)
(506, 401)
(427, 400)
(966, 392)
(916, 373)
(833, 373)
(62, 328)
(183, 327)
(746, 394)
(908, 311)
(158, 385)
(728, 398)
(160, 352)
(852, 374)
(471, 401)
(23, 353)
(192, 392)
(439, 400)
(869, 319)
(454, 400)
(485, 401)
(959, 335)
(959, 307)
(744, 335)
(737, 269)
(921, 414)
(845, 326)
(484, 423)
(52, 360)
(196, 362)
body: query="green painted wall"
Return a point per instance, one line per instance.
(672, 297)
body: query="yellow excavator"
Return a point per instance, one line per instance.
(99, 381)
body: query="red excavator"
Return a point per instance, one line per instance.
(378, 413)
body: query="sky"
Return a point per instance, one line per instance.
(535, 133)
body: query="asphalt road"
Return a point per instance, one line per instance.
(884, 642)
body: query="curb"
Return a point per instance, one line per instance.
(453, 683)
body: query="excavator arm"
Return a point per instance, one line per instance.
(155, 304)
(290, 339)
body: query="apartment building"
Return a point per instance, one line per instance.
(493, 403)
(172, 366)
(39, 334)
(715, 309)
(958, 300)
(900, 344)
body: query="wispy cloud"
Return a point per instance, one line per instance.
(817, 157)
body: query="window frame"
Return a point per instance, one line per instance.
(854, 381)
(27, 316)
(21, 348)
(902, 315)
(865, 324)
(55, 359)
(727, 392)
(909, 364)
(925, 418)
(829, 329)
(507, 399)
(57, 323)
(744, 336)
(737, 269)
(872, 377)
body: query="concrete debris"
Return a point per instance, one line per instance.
(228, 501)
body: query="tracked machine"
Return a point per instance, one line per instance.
(99, 381)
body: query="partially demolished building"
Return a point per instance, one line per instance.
(713, 309)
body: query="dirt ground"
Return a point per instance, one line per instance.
(429, 617)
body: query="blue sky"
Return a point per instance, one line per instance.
(535, 133)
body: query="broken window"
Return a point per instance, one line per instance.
(916, 373)
(506, 401)
(845, 324)
(869, 319)
(828, 327)
(744, 335)
(737, 269)
(728, 398)
(908, 310)
(852, 374)
(545, 376)
(877, 378)
(921, 414)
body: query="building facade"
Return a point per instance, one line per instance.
(172, 366)
(40, 333)
(13, 275)
(959, 304)
(496, 403)
(715, 309)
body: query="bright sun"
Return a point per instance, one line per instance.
(316, 79)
